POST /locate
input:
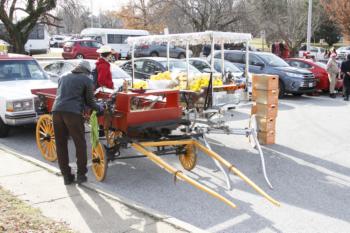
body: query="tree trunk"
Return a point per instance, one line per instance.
(18, 42)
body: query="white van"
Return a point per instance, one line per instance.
(115, 38)
(38, 39)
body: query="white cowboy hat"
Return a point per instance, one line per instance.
(104, 49)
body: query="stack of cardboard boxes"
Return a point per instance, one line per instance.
(265, 106)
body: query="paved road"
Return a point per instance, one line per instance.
(309, 167)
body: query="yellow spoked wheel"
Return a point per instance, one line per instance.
(189, 159)
(99, 162)
(45, 138)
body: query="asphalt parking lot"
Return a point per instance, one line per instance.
(309, 167)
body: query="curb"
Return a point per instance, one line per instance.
(179, 224)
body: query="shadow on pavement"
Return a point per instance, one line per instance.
(101, 217)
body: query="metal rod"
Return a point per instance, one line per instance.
(236, 171)
(168, 54)
(228, 183)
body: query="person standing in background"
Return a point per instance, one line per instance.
(332, 70)
(103, 68)
(345, 69)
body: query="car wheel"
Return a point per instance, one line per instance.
(4, 129)
(154, 54)
(182, 56)
(79, 56)
(282, 90)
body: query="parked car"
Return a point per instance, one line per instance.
(343, 52)
(159, 50)
(206, 50)
(57, 41)
(292, 80)
(18, 75)
(57, 68)
(315, 52)
(319, 71)
(204, 66)
(145, 67)
(83, 49)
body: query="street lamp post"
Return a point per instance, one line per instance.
(309, 22)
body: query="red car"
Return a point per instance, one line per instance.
(83, 49)
(318, 69)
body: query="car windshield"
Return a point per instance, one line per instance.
(273, 60)
(179, 66)
(21, 70)
(228, 66)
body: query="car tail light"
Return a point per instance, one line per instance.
(67, 49)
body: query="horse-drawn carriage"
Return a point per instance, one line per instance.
(153, 122)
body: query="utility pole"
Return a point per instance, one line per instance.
(309, 22)
(92, 15)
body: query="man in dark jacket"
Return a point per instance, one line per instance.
(345, 69)
(75, 91)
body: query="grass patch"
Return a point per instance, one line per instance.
(18, 216)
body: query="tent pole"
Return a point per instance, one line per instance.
(133, 64)
(168, 54)
(188, 65)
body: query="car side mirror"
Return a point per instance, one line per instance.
(206, 70)
(261, 64)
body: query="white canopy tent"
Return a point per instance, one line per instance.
(195, 38)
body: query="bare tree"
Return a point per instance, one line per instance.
(286, 20)
(35, 11)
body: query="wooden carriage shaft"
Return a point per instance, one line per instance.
(160, 162)
(217, 157)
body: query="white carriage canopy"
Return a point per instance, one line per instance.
(191, 39)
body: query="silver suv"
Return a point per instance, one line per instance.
(160, 50)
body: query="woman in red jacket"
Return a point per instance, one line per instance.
(104, 75)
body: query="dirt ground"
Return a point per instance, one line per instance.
(17, 216)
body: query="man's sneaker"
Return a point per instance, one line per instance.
(81, 179)
(68, 179)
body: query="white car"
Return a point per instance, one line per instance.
(343, 52)
(18, 75)
(57, 68)
(316, 52)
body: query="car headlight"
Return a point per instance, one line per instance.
(294, 75)
(19, 105)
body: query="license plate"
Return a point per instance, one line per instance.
(311, 84)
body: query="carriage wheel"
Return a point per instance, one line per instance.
(45, 138)
(189, 159)
(99, 162)
(253, 124)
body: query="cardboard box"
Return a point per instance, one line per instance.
(266, 138)
(265, 97)
(265, 82)
(266, 110)
(266, 124)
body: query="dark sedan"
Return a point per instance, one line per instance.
(145, 67)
